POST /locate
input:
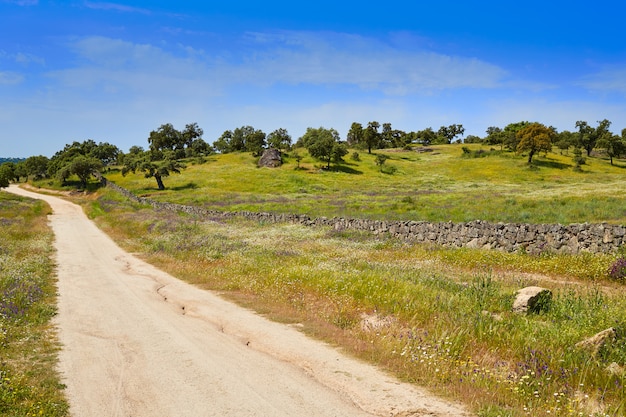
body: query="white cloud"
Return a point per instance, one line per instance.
(116, 7)
(335, 58)
(608, 80)
(125, 68)
(10, 78)
(290, 58)
(22, 2)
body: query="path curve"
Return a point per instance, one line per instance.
(138, 342)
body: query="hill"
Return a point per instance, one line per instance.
(441, 183)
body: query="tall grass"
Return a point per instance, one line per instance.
(29, 384)
(438, 317)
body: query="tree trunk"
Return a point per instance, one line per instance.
(159, 181)
(530, 157)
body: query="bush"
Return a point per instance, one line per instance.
(617, 271)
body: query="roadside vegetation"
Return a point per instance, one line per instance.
(29, 383)
(437, 317)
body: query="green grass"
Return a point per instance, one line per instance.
(447, 312)
(436, 186)
(29, 384)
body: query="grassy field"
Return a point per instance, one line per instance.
(29, 384)
(440, 185)
(437, 317)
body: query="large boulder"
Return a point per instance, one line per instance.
(532, 300)
(271, 158)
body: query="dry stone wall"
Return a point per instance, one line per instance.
(509, 237)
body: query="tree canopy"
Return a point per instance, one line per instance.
(167, 147)
(534, 138)
(323, 144)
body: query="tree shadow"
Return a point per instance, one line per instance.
(544, 163)
(188, 186)
(78, 186)
(346, 169)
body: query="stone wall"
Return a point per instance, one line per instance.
(509, 237)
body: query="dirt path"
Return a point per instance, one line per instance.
(138, 342)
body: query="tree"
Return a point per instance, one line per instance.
(6, 175)
(448, 133)
(509, 134)
(167, 147)
(371, 136)
(153, 164)
(355, 136)
(255, 142)
(191, 134)
(495, 136)
(223, 143)
(534, 138)
(613, 145)
(105, 153)
(426, 136)
(199, 148)
(565, 139)
(588, 136)
(84, 167)
(37, 166)
(279, 139)
(323, 144)
(166, 137)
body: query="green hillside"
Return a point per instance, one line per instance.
(444, 183)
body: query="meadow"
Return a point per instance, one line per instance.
(439, 185)
(437, 317)
(29, 383)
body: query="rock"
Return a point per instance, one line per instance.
(375, 322)
(271, 158)
(595, 342)
(615, 369)
(532, 300)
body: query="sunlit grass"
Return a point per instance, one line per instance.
(29, 384)
(445, 313)
(435, 186)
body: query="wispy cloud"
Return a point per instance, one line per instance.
(10, 78)
(336, 58)
(609, 80)
(114, 66)
(300, 58)
(115, 7)
(22, 2)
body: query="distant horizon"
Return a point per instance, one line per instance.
(114, 71)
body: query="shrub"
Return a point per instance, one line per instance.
(617, 271)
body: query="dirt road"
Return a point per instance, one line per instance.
(138, 342)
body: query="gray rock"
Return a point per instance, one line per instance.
(532, 300)
(271, 158)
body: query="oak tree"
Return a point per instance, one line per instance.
(534, 138)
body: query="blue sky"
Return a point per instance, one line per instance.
(113, 71)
